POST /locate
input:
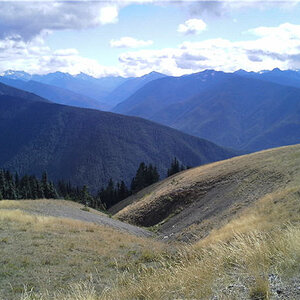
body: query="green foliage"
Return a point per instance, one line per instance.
(175, 167)
(88, 146)
(145, 176)
(28, 187)
(112, 194)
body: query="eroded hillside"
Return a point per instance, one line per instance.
(188, 205)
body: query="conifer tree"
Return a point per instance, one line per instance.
(85, 197)
(123, 191)
(175, 167)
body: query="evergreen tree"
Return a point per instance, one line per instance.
(123, 191)
(2, 184)
(97, 202)
(45, 185)
(175, 167)
(85, 197)
(139, 181)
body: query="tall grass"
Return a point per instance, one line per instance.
(233, 262)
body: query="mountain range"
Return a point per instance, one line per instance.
(243, 112)
(88, 146)
(79, 90)
(247, 111)
(129, 87)
(53, 93)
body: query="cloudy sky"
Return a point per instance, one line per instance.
(132, 38)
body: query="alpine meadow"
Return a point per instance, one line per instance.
(150, 150)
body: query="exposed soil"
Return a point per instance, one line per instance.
(188, 205)
(66, 209)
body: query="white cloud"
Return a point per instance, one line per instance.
(262, 48)
(271, 47)
(26, 20)
(66, 52)
(108, 14)
(35, 57)
(192, 26)
(129, 42)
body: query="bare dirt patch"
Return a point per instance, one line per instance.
(188, 205)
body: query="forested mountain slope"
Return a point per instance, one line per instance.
(230, 110)
(87, 146)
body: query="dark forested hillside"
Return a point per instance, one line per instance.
(230, 110)
(88, 146)
(14, 92)
(157, 95)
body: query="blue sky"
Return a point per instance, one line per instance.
(132, 38)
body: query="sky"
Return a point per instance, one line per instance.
(133, 38)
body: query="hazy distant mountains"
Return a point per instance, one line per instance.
(151, 100)
(54, 93)
(80, 90)
(243, 110)
(129, 87)
(288, 77)
(248, 112)
(88, 146)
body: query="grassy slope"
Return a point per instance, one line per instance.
(254, 254)
(47, 253)
(189, 204)
(251, 257)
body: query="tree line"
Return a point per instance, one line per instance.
(30, 187)
(26, 187)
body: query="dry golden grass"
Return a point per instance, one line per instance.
(263, 240)
(35, 206)
(233, 261)
(190, 204)
(48, 253)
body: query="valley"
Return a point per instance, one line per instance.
(250, 247)
(88, 147)
(149, 150)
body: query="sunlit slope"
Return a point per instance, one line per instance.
(189, 204)
(43, 253)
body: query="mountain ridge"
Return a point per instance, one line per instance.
(87, 146)
(228, 109)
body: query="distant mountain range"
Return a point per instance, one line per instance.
(129, 87)
(246, 111)
(288, 77)
(54, 93)
(88, 146)
(79, 90)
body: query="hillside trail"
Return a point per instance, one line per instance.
(75, 211)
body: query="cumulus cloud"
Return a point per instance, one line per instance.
(129, 42)
(192, 26)
(224, 7)
(35, 57)
(262, 48)
(23, 27)
(108, 14)
(271, 47)
(26, 20)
